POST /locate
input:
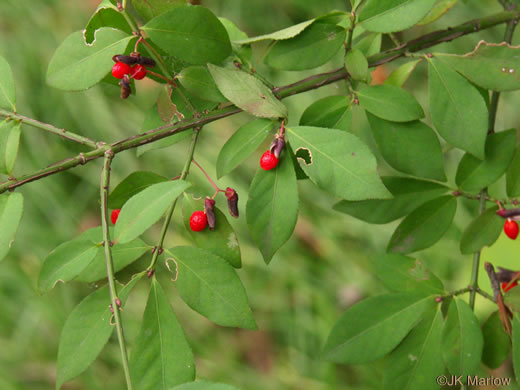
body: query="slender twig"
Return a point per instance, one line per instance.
(485, 295)
(50, 128)
(213, 184)
(488, 198)
(169, 81)
(116, 302)
(476, 257)
(167, 220)
(436, 37)
(304, 85)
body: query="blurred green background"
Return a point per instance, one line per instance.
(323, 269)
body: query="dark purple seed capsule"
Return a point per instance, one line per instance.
(145, 61)
(232, 198)
(129, 60)
(277, 146)
(508, 213)
(505, 275)
(125, 87)
(209, 204)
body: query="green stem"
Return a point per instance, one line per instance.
(167, 220)
(129, 19)
(436, 37)
(476, 258)
(508, 36)
(304, 85)
(50, 128)
(105, 184)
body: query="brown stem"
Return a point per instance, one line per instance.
(306, 84)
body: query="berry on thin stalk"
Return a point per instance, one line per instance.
(511, 228)
(198, 221)
(138, 72)
(268, 161)
(120, 69)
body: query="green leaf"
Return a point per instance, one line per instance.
(315, 46)
(515, 341)
(244, 52)
(439, 9)
(423, 156)
(286, 33)
(400, 273)
(86, 332)
(369, 44)
(333, 112)
(122, 255)
(356, 64)
(372, 328)
(152, 120)
(513, 176)
(66, 262)
(106, 15)
(131, 185)
(76, 66)
(459, 112)
(388, 16)
(512, 299)
(162, 357)
(272, 207)
(11, 209)
(145, 208)
(211, 287)
(399, 76)
(462, 340)
(340, 163)
(415, 362)
(222, 241)
(149, 9)
(247, 92)
(474, 174)
(193, 34)
(198, 81)
(9, 142)
(499, 60)
(242, 144)
(424, 226)
(7, 88)
(203, 385)
(390, 103)
(496, 342)
(408, 194)
(483, 231)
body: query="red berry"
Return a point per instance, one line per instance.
(138, 72)
(198, 221)
(511, 229)
(115, 215)
(120, 69)
(268, 161)
(505, 288)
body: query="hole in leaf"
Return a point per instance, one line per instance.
(304, 155)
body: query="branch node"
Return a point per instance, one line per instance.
(82, 159)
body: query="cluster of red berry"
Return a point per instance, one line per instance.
(127, 67)
(200, 219)
(270, 158)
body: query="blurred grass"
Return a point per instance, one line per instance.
(322, 270)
